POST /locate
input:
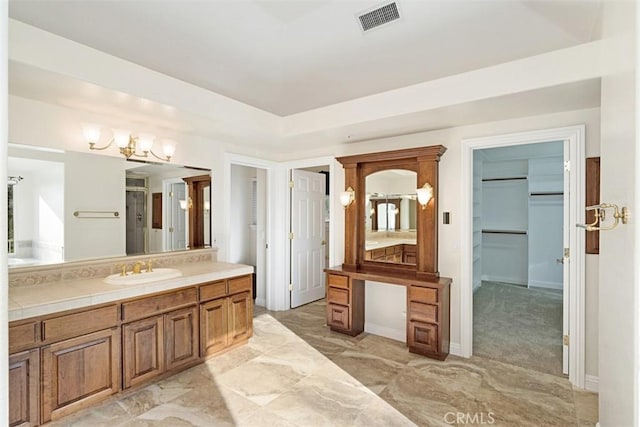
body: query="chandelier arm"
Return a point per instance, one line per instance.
(92, 145)
(164, 159)
(144, 154)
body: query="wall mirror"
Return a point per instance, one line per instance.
(390, 216)
(69, 206)
(405, 241)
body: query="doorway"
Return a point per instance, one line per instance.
(136, 214)
(518, 281)
(309, 233)
(248, 211)
(572, 139)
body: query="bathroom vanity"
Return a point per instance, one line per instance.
(391, 237)
(93, 339)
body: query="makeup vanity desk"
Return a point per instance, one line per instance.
(427, 308)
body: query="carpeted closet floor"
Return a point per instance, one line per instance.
(519, 326)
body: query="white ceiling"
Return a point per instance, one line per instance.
(291, 56)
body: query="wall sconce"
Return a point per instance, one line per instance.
(129, 144)
(347, 197)
(186, 204)
(424, 194)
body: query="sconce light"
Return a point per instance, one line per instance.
(129, 144)
(186, 204)
(347, 197)
(424, 194)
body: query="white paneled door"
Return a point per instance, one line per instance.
(307, 237)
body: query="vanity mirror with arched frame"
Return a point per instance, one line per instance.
(419, 260)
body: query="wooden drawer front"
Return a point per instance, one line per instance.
(338, 316)
(23, 336)
(423, 336)
(338, 281)
(377, 254)
(240, 284)
(423, 312)
(73, 325)
(213, 290)
(337, 295)
(428, 295)
(149, 306)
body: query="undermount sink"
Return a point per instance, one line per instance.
(156, 275)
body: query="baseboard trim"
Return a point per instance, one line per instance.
(545, 285)
(261, 302)
(591, 383)
(383, 331)
(455, 349)
(510, 280)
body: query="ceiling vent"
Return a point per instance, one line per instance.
(379, 16)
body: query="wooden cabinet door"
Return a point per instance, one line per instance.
(338, 316)
(240, 317)
(24, 388)
(181, 337)
(143, 351)
(213, 326)
(78, 372)
(422, 337)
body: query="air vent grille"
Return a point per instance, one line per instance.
(379, 16)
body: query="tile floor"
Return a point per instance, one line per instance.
(315, 377)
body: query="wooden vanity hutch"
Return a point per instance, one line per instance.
(427, 293)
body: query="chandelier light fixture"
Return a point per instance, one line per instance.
(129, 144)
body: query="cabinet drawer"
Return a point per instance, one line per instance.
(337, 295)
(428, 295)
(240, 284)
(149, 306)
(213, 290)
(378, 253)
(73, 325)
(338, 281)
(338, 316)
(23, 336)
(423, 312)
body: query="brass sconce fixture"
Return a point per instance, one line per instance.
(186, 204)
(619, 216)
(347, 197)
(129, 144)
(424, 194)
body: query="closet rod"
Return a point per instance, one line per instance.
(504, 179)
(504, 232)
(550, 193)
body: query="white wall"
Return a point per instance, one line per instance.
(89, 186)
(386, 310)
(261, 238)
(618, 337)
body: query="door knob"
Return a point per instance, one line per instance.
(560, 260)
(324, 242)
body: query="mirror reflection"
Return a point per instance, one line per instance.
(68, 206)
(390, 220)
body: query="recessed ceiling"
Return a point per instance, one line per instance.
(286, 57)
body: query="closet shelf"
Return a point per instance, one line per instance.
(494, 231)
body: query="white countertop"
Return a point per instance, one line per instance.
(386, 242)
(42, 299)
